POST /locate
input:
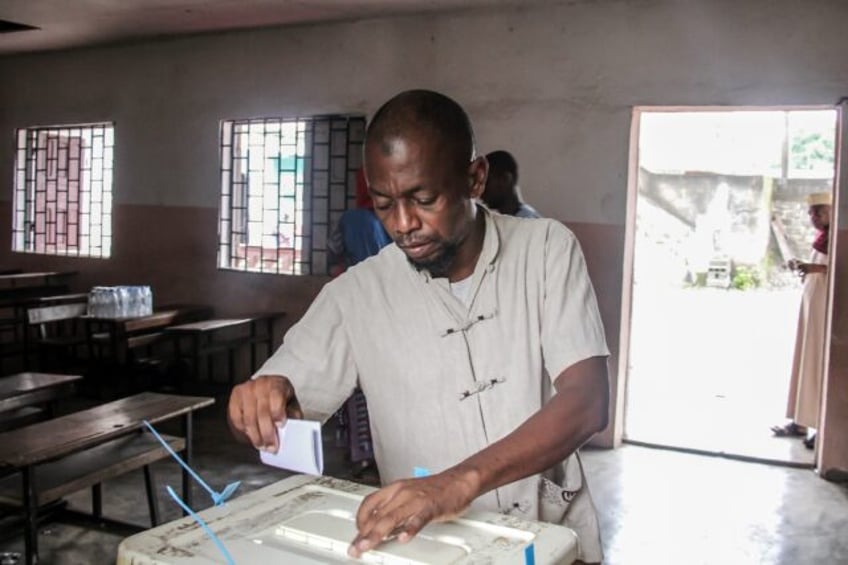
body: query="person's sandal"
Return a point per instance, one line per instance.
(810, 442)
(790, 429)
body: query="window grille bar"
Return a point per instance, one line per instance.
(57, 170)
(262, 161)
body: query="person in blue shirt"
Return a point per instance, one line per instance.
(358, 234)
(362, 235)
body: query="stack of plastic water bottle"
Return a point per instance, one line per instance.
(120, 301)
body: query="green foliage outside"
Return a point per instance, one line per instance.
(745, 278)
(810, 149)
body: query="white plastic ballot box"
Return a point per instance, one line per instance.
(306, 520)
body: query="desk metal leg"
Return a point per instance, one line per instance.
(231, 365)
(188, 428)
(195, 357)
(210, 366)
(97, 501)
(24, 320)
(152, 500)
(181, 374)
(253, 338)
(270, 336)
(30, 515)
(256, 339)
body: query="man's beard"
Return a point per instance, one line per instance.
(439, 266)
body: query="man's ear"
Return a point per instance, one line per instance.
(478, 171)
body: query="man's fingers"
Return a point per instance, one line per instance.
(411, 527)
(373, 503)
(386, 525)
(367, 508)
(256, 407)
(267, 427)
(249, 424)
(392, 512)
(399, 524)
(293, 409)
(276, 405)
(234, 411)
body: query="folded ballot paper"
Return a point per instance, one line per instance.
(300, 450)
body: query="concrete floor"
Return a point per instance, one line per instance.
(655, 506)
(717, 364)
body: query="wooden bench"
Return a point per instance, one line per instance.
(90, 468)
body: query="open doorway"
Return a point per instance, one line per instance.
(720, 207)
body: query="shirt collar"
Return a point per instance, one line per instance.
(491, 242)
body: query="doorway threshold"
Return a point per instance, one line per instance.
(806, 462)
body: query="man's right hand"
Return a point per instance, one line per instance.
(256, 408)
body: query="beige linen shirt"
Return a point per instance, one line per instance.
(444, 379)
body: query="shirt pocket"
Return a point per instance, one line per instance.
(555, 498)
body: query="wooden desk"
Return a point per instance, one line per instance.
(14, 302)
(28, 389)
(62, 299)
(208, 337)
(10, 297)
(46, 278)
(113, 338)
(163, 316)
(26, 448)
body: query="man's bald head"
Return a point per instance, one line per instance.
(427, 114)
(424, 178)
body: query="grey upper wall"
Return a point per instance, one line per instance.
(554, 85)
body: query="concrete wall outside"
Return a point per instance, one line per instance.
(554, 85)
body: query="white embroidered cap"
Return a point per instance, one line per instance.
(819, 199)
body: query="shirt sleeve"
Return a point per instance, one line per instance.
(571, 323)
(316, 357)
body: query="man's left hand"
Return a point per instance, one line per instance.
(404, 507)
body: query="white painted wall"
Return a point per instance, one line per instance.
(554, 85)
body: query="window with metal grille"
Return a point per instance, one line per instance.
(284, 184)
(63, 190)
